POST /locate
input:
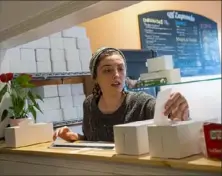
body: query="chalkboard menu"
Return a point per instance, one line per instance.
(192, 40)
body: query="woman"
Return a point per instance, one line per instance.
(110, 104)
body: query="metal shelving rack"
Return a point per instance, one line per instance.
(50, 78)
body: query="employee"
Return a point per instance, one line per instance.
(110, 104)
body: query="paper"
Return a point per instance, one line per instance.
(84, 144)
(159, 117)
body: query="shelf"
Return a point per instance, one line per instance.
(57, 75)
(67, 123)
(183, 82)
(50, 78)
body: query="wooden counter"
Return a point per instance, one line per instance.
(44, 160)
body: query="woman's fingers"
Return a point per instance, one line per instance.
(170, 104)
(60, 132)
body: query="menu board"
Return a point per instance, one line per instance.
(191, 39)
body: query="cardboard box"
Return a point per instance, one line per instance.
(42, 55)
(79, 111)
(85, 56)
(46, 91)
(69, 43)
(69, 113)
(64, 90)
(172, 76)
(43, 66)
(27, 54)
(66, 101)
(77, 89)
(50, 103)
(57, 55)
(73, 66)
(78, 100)
(16, 66)
(28, 66)
(72, 55)
(160, 63)
(13, 54)
(75, 31)
(56, 43)
(4, 66)
(58, 66)
(178, 140)
(132, 138)
(20, 136)
(82, 43)
(50, 115)
(42, 43)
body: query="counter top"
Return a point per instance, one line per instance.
(196, 162)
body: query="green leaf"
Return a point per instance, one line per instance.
(32, 110)
(4, 114)
(32, 98)
(23, 79)
(37, 107)
(39, 97)
(3, 91)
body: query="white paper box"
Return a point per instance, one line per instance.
(172, 76)
(64, 90)
(56, 43)
(5, 66)
(69, 43)
(44, 66)
(85, 56)
(27, 54)
(176, 141)
(46, 91)
(28, 135)
(51, 103)
(15, 66)
(78, 100)
(75, 31)
(69, 113)
(132, 138)
(40, 43)
(66, 102)
(83, 43)
(57, 35)
(28, 66)
(79, 110)
(57, 55)
(49, 116)
(42, 55)
(58, 66)
(13, 54)
(72, 55)
(160, 63)
(77, 89)
(74, 65)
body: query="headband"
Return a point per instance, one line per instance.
(96, 55)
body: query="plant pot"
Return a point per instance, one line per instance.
(15, 122)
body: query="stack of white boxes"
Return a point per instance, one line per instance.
(61, 102)
(68, 50)
(162, 67)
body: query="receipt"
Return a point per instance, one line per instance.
(159, 117)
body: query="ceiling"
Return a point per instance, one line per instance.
(25, 21)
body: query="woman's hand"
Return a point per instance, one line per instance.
(65, 133)
(177, 107)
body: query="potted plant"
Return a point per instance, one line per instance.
(23, 100)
